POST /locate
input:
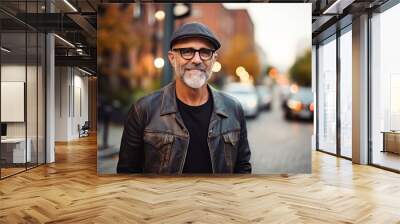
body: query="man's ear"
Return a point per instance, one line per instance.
(171, 57)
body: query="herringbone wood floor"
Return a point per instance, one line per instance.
(70, 191)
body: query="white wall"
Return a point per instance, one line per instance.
(71, 93)
(61, 103)
(10, 73)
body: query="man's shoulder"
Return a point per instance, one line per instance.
(151, 98)
(228, 98)
(230, 102)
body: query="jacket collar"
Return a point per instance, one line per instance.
(169, 106)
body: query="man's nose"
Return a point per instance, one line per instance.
(196, 58)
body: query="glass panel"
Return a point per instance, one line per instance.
(313, 75)
(31, 86)
(31, 97)
(23, 82)
(386, 89)
(346, 94)
(14, 146)
(41, 99)
(327, 97)
(13, 87)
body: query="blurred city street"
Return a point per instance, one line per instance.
(278, 145)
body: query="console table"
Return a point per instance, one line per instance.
(391, 141)
(13, 150)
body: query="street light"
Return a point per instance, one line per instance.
(216, 67)
(245, 77)
(181, 10)
(294, 88)
(160, 15)
(159, 62)
(240, 70)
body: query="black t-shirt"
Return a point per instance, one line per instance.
(196, 120)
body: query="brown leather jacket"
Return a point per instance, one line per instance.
(155, 139)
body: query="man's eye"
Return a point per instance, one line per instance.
(187, 51)
(205, 51)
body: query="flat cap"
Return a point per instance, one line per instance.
(194, 29)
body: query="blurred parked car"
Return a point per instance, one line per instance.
(284, 93)
(300, 105)
(264, 97)
(246, 94)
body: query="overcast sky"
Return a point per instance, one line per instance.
(283, 30)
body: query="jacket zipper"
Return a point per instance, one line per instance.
(209, 148)
(208, 143)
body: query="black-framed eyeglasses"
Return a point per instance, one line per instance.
(188, 53)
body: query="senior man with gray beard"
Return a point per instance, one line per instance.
(187, 126)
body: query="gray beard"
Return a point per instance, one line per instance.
(194, 81)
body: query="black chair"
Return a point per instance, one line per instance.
(84, 130)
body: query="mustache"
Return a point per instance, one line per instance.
(202, 68)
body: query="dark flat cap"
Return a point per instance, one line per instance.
(194, 29)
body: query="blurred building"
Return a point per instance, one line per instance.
(208, 14)
(234, 28)
(230, 22)
(136, 54)
(243, 24)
